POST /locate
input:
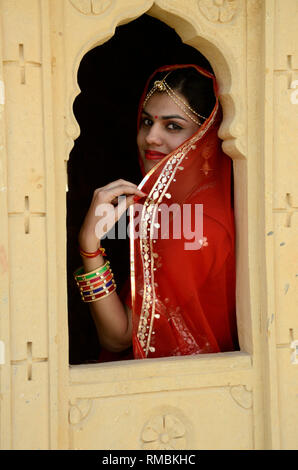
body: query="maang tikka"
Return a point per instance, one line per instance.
(163, 86)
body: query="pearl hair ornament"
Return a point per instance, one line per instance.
(162, 86)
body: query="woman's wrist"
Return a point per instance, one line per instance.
(92, 254)
(89, 244)
(93, 263)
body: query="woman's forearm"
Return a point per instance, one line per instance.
(111, 318)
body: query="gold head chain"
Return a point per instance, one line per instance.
(161, 86)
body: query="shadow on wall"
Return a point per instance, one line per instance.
(111, 78)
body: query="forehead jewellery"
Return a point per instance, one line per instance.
(162, 86)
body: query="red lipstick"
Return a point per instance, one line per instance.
(154, 155)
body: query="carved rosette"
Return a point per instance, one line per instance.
(218, 11)
(91, 7)
(164, 432)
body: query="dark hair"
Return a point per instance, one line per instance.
(195, 87)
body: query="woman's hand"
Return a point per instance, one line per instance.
(104, 208)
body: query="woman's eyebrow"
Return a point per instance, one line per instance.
(173, 116)
(170, 116)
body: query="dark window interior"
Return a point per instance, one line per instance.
(111, 78)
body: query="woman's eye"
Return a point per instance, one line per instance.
(173, 126)
(146, 122)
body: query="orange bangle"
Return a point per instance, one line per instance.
(99, 251)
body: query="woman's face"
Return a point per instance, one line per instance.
(164, 126)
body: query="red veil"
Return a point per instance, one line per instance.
(183, 300)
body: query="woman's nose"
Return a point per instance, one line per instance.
(154, 135)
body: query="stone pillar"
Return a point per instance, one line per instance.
(29, 376)
(281, 220)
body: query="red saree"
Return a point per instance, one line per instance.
(183, 300)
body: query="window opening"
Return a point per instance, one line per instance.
(111, 78)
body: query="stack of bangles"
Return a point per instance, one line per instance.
(97, 284)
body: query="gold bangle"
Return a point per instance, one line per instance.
(81, 276)
(102, 296)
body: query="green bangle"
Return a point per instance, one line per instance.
(81, 276)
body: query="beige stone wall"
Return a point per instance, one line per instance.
(241, 400)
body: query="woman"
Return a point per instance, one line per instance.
(182, 293)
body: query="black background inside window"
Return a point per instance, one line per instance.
(111, 78)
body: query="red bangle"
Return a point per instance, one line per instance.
(99, 251)
(100, 282)
(105, 293)
(101, 278)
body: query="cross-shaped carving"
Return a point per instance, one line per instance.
(22, 63)
(289, 71)
(289, 210)
(27, 214)
(29, 360)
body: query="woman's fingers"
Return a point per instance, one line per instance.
(131, 200)
(111, 192)
(107, 207)
(119, 182)
(111, 185)
(111, 205)
(109, 195)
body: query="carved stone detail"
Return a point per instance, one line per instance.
(79, 410)
(91, 7)
(164, 432)
(242, 396)
(289, 71)
(29, 361)
(289, 210)
(218, 11)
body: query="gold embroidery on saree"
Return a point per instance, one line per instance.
(156, 195)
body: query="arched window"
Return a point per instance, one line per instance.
(111, 78)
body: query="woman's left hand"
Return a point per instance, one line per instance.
(107, 206)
